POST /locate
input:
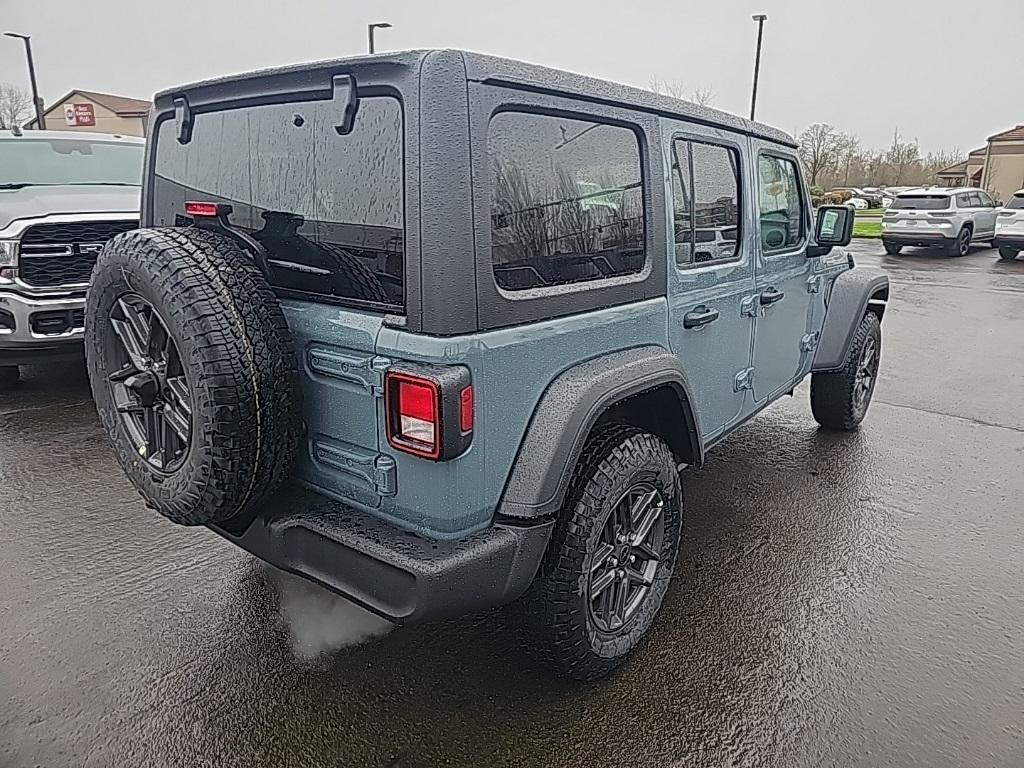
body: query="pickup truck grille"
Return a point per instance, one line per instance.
(64, 254)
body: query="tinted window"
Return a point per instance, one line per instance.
(710, 224)
(327, 208)
(70, 161)
(1017, 202)
(780, 204)
(566, 201)
(985, 199)
(921, 202)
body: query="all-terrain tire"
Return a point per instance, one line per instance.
(961, 246)
(553, 620)
(238, 360)
(9, 376)
(1007, 254)
(893, 249)
(834, 395)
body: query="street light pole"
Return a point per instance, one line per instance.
(759, 18)
(371, 27)
(36, 101)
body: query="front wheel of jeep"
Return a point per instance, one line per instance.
(610, 558)
(840, 399)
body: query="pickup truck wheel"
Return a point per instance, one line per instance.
(193, 372)
(840, 399)
(1007, 254)
(8, 376)
(610, 558)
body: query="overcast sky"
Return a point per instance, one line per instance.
(866, 66)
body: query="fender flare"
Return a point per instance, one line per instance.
(853, 293)
(568, 410)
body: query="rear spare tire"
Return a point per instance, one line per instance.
(193, 372)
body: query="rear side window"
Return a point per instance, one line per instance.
(780, 204)
(327, 208)
(921, 202)
(567, 201)
(706, 201)
(1015, 202)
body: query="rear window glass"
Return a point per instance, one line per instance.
(566, 201)
(921, 202)
(327, 208)
(1017, 201)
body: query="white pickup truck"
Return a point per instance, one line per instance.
(62, 196)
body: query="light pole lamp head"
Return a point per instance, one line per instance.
(759, 16)
(381, 25)
(17, 35)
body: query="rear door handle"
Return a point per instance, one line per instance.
(700, 316)
(770, 296)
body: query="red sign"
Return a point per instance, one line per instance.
(79, 114)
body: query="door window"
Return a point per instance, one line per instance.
(964, 201)
(705, 202)
(986, 201)
(780, 204)
(567, 201)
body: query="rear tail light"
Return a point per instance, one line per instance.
(429, 410)
(205, 210)
(940, 214)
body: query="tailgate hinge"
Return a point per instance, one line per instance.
(183, 119)
(384, 475)
(744, 380)
(809, 342)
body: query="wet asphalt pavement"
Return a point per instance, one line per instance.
(852, 600)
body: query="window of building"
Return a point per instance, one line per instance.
(567, 201)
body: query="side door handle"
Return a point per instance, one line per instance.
(700, 316)
(770, 296)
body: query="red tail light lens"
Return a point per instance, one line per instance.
(201, 209)
(429, 410)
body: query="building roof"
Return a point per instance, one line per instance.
(955, 169)
(1013, 134)
(122, 106)
(978, 151)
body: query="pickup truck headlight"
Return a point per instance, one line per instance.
(8, 253)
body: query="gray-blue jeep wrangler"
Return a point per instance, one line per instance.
(438, 330)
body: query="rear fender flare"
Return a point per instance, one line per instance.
(568, 410)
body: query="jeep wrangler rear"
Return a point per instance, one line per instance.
(436, 330)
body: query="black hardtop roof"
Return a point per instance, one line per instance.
(484, 68)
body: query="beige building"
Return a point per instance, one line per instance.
(998, 167)
(97, 112)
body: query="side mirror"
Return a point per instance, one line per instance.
(834, 226)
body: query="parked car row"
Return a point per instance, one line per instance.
(953, 218)
(62, 196)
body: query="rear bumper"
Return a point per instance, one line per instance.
(392, 572)
(35, 330)
(1009, 241)
(920, 239)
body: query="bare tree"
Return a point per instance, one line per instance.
(15, 104)
(820, 148)
(902, 157)
(677, 90)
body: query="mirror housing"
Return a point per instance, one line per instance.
(833, 226)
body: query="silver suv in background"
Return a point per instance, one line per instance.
(947, 217)
(1009, 237)
(62, 196)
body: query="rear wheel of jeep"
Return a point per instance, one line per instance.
(840, 399)
(610, 558)
(193, 372)
(962, 245)
(1007, 254)
(8, 376)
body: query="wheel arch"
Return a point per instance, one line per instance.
(635, 386)
(853, 294)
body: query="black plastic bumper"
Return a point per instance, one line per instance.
(1009, 242)
(922, 240)
(33, 354)
(393, 572)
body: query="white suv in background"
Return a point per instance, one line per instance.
(1009, 237)
(950, 218)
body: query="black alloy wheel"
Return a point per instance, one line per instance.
(148, 384)
(864, 379)
(625, 560)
